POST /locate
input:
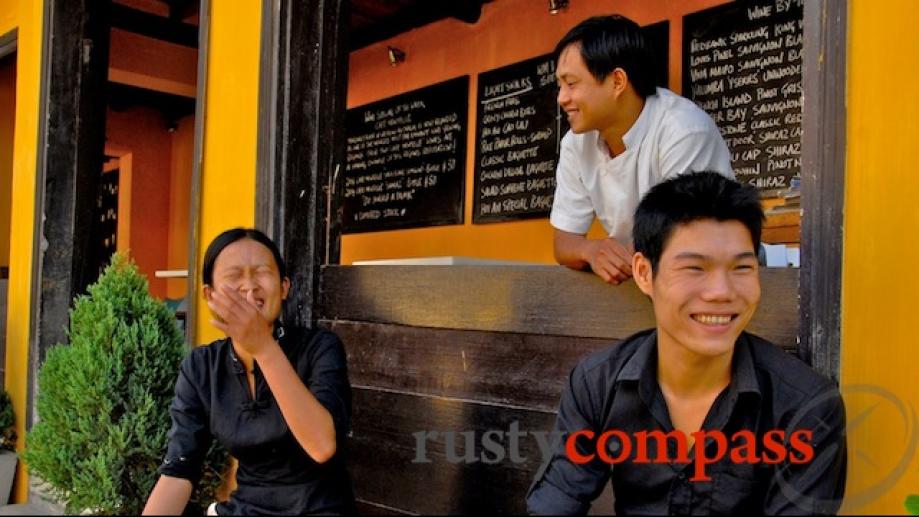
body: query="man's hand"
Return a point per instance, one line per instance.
(607, 258)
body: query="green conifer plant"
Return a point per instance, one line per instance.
(103, 400)
(7, 423)
(912, 504)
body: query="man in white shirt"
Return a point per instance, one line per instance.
(626, 136)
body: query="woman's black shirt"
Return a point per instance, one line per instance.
(275, 475)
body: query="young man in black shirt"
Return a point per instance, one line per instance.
(697, 416)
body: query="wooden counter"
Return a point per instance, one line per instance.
(477, 348)
(782, 228)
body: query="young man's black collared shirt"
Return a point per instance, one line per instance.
(617, 388)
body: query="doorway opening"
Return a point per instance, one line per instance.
(7, 122)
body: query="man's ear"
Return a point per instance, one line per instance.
(208, 292)
(641, 272)
(619, 80)
(285, 287)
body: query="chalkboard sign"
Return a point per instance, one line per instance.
(658, 36)
(742, 64)
(406, 160)
(519, 129)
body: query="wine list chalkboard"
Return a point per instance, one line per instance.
(742, 64)
(406, 160)
(518, 131)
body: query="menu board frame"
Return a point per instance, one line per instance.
(438, 205)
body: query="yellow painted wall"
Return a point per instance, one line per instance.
(230, 131)
(9, 15)
(880, 364)
(28, 18)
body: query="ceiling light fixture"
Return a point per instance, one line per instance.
(396, 56)
(557, 5)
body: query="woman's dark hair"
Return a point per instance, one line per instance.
(688, 198)
(611, 42)
(229, 237)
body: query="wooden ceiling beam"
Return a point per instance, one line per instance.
(157, 27)
(180, 10)
(411, 15)
(468, 11)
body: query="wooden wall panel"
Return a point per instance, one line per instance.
(502, 368)
(382, 454)
(550, 300)
(371, 508)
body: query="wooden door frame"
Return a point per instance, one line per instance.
(194, 209)
(70, 140)
(125, 158)
(823, 174)
(301, 140)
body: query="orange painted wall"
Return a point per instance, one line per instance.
(507, 32)
(7, 122)
(143, 131)
(183, 143)
(157, 65)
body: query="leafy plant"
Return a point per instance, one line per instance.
(7, 423)
(912, 504)
(103, 401)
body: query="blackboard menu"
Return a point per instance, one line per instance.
(658, 36)
(406, 160)
(742, 64)
(518, 132)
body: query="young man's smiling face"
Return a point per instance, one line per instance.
(705, 288)
(588, 103)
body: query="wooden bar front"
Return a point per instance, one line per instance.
(478, 348)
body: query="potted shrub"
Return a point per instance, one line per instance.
(103, 400)
(8, 458)
(912, 504)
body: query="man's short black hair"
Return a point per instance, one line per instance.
(611, 42)
(692, 197)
